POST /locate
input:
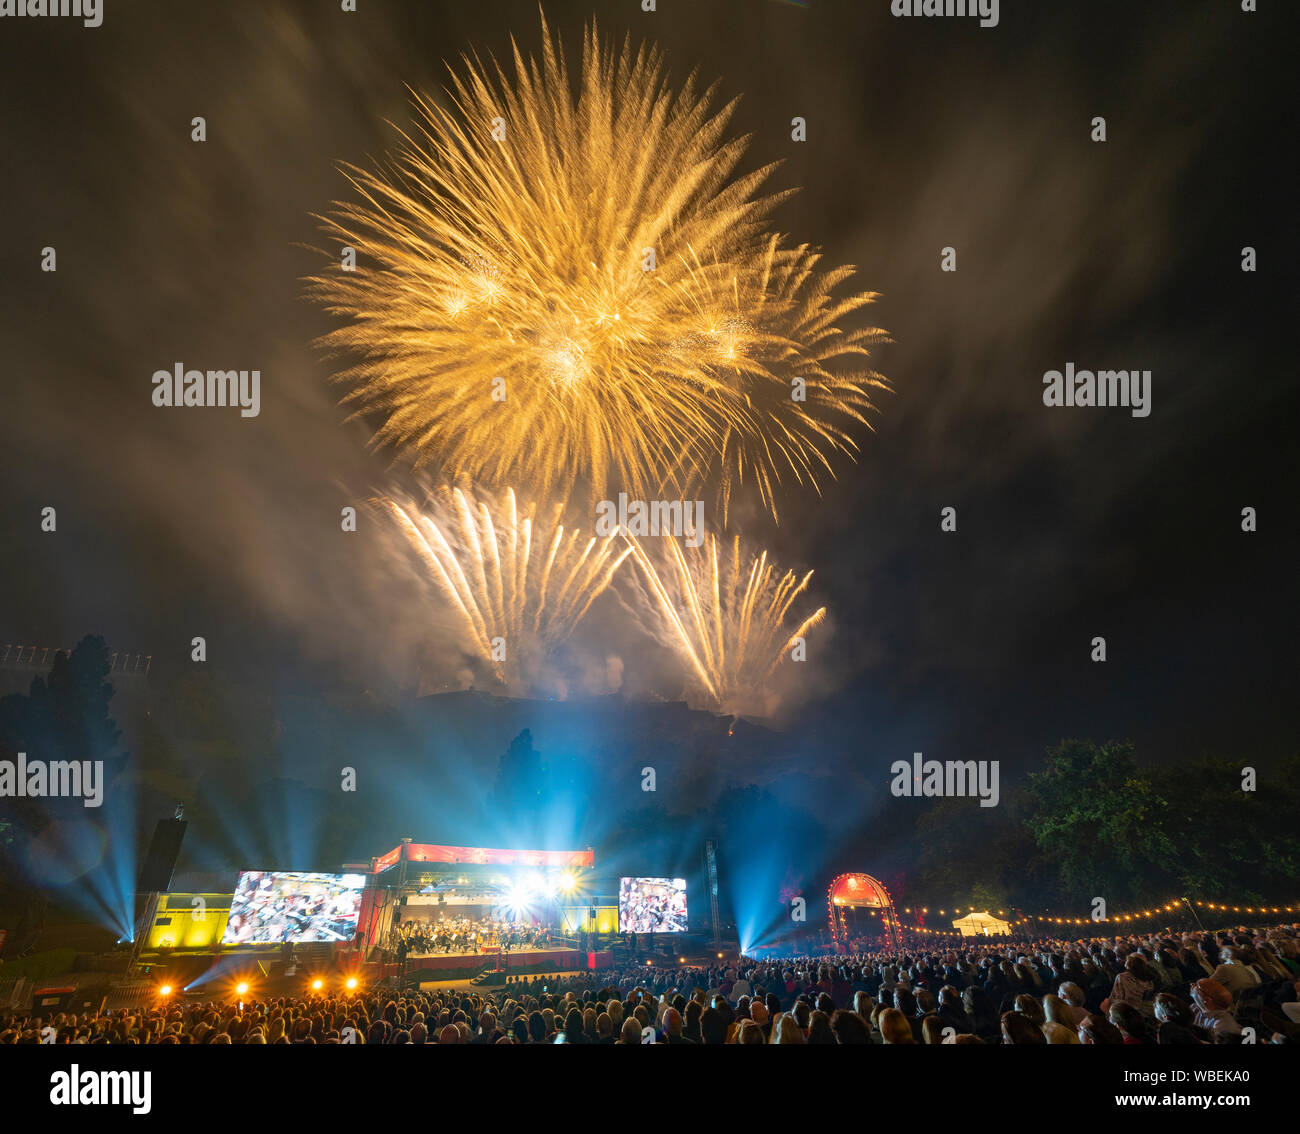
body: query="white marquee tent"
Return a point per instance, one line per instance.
(981, 925)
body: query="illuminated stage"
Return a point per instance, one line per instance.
(441, 887)
(422, 914)
(541, 895)
(458, 966)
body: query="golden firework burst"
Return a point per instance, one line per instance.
(727, 615)
(517, 585)
(565, 285)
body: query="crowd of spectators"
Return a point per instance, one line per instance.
(1235, 986)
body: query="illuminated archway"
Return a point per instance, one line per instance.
(850, 892)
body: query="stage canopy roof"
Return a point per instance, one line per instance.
(858, 890)
(981, 924)
(484, 856)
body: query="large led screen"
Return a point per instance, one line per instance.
(651, 905)
(270, 907)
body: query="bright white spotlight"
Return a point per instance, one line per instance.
(317, 985)
(567, 882)
(517, 898)
(165, 990)
(242, 988)
(350, 983)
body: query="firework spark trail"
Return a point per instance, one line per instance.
(725, 615)
(521, 259)
(480, 555)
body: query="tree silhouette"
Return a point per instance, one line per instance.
(1099, 820)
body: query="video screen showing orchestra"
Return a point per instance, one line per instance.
(272, 907)
(652, 905)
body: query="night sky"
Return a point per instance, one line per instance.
(922, 133)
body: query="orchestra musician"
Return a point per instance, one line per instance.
(467, 935)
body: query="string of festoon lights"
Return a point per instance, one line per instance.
(1037, 922)
(1047, 919)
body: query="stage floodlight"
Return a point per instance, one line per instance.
(165, 990)
(567, 882)
(317, 985)
(517, 898)
(350, 983)
(242, 988)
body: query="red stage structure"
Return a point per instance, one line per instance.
(483, 856)
(425, 881)
(850, 892)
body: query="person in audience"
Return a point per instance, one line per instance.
(895, 1028)
(786, 1030)
(1234, 974)
(1029, 1006)
(862, 1004)
(819, 1028)
(982, 1013)
(1212, 1009)
(1095, 1029)
(951, 1011)
(1018, 1028)
(1058, 1033)
(1075, 1010)
(1131, 1023)
(1133, 985)
(850, 1028)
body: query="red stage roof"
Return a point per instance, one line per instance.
(858, 890)
(484, 856)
